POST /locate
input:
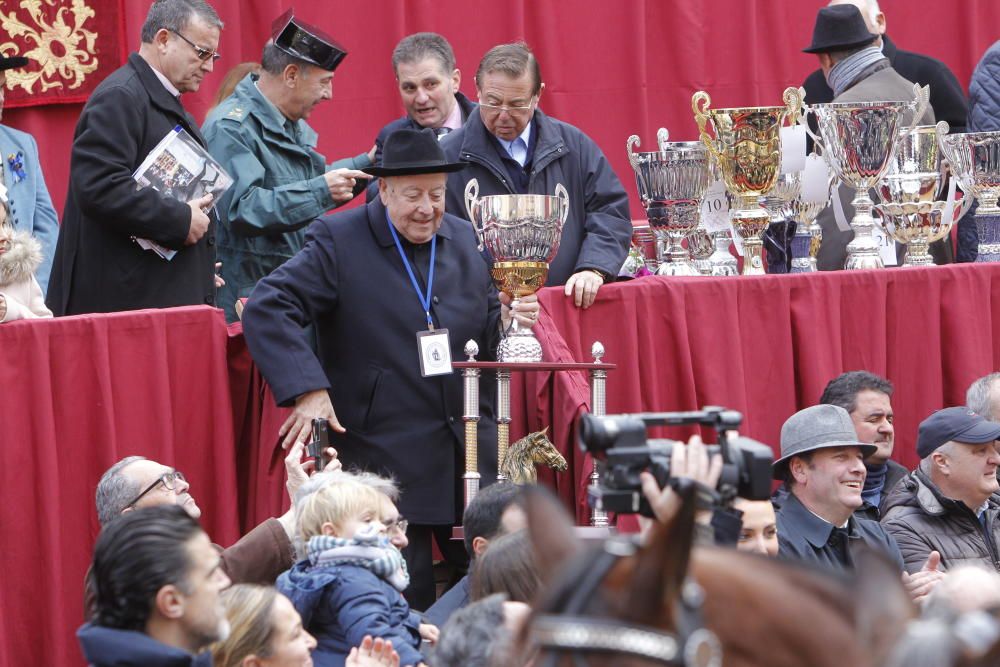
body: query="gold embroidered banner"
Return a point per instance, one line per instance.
(72, 45)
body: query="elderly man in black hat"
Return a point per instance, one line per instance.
(822, 464)
(281, 183)
(857, 71)
(391, 289)
(24, 198)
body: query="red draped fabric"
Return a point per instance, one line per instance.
(611, 68)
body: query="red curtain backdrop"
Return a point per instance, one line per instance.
(611, 68)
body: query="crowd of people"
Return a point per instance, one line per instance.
(346, 575)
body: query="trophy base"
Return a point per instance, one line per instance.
(860, 261)
(917, 260)
(673, 268)
(520, 347)
(802, 265)
(704, 266)
(988, 227)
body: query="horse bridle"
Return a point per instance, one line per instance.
(568, 631)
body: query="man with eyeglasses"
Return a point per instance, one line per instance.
(514, 148)
(98, 266)
(260, 136)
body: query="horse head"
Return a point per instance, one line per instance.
(518, 465)
(667, 603)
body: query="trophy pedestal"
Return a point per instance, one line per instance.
(862, 252)
(722, 261)
(802, 260)
(918, 253)
(519, 347)
(988, 227)
(750, 224)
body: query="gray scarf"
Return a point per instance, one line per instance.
(849, 69)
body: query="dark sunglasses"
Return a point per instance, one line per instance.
(203, 53)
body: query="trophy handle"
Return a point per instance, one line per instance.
(794, 102)
(804, 121)
(921, 97)
(662, 137)
(564, 195)
(941, 130)
(471, 204)
(700, 102)
(631, 144)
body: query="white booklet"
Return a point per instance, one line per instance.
(179, 168)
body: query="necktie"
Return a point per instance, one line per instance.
(442, 131)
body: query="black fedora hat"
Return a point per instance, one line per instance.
(407, 152)
(12, 62)
(839, 28)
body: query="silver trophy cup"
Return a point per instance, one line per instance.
(858, 141)
(672, 182)
(975, 161)
(521, 234)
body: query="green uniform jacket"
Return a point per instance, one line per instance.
(278, 187)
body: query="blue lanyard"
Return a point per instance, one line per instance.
(425, 300)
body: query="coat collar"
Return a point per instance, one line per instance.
(798, 520)
(379, 224)
(934, 503)
(160, 97)
(476, 139)
(889, 49)
(128, 648)
(263, 109)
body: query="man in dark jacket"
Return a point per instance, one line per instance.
(857, 71)
(98, 265)
(157, 581)
(950, 504)
(514, 148)
(281, 183)
(370, 280)
(947, 94)
(867, 398)
(822, 464)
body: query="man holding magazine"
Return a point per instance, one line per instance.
(99, 264)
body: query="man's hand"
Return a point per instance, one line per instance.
(310, 405)
(525, 311)
(920, 584)
(583, 286)
(429, 632)
(298, 471)
(691, 461)
(199, 219)
(373, 653)
(341, 183)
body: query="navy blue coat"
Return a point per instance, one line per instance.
(598, 231)
(110, 647)
(98, 268)
(350, 282)
(340, 604)
(984, 93)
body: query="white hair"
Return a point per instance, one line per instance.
(978, 398)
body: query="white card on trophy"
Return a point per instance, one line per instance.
(793, 149)
(715, 208)
(886, 246)
(815, 180)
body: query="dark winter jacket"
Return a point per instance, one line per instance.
(598, 231)
(340, 604)
(923, 520)
(984, 93)
(110, 647)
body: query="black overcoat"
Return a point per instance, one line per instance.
(350, 282)
(98, 267)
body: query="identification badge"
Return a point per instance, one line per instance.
(435, 352)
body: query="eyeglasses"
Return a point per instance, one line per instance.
(497, 109)
(203, 53)
(167, 479)
(399, 524)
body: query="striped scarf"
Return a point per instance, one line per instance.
(846, 72)
(368, 549)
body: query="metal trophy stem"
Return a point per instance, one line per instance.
(521, 234)
(747, 149)
(470, 417)
(975, 161)
(671, 182)
(503, 420)
(722, 261)
(598, 406)
(858, 141)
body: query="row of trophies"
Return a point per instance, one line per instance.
(864, 145)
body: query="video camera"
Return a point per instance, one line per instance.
(620, 442)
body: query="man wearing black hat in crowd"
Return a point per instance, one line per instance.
(950, 504)
(26, 203)
(98, 265)
(857, 71)
(260, 135)
(392, 289)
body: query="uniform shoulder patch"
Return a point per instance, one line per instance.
(236, 113)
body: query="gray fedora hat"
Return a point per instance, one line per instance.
(818, 427)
